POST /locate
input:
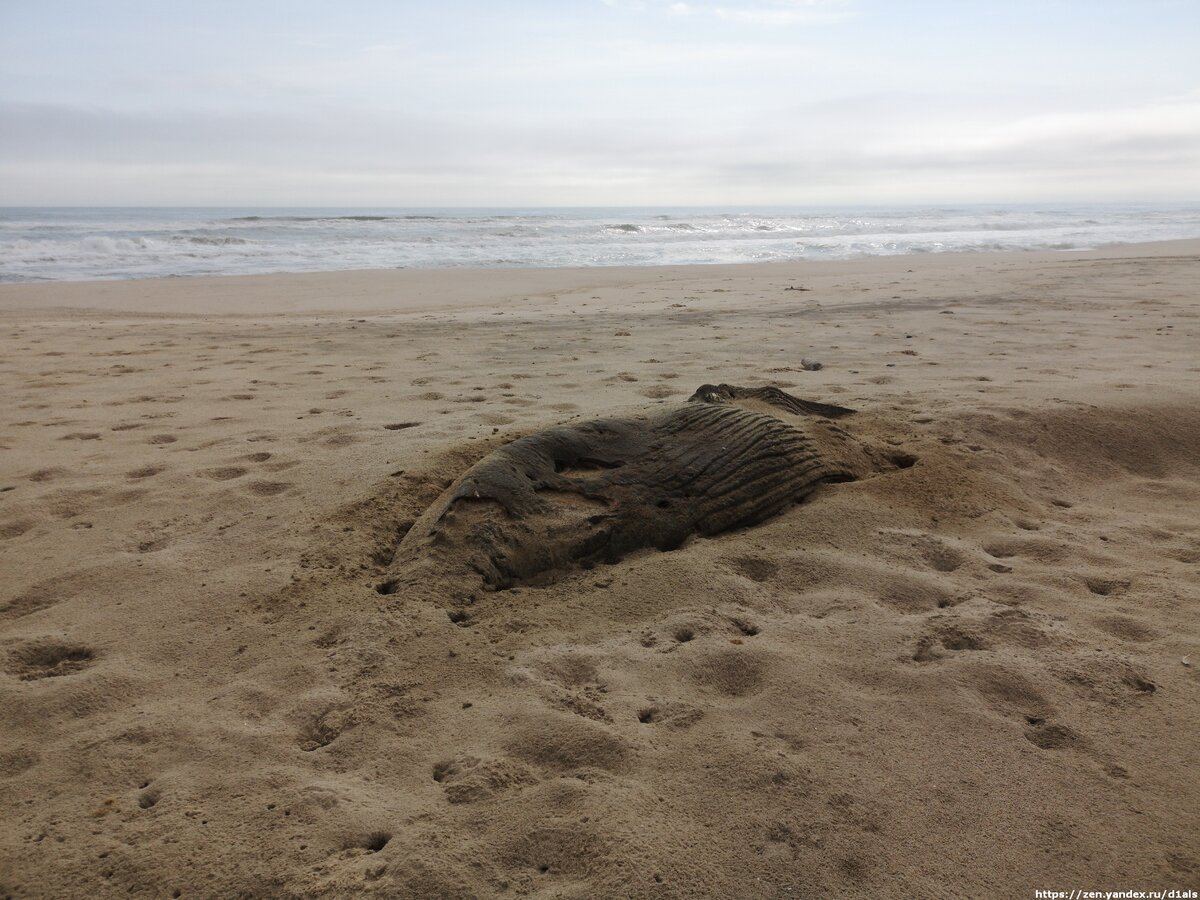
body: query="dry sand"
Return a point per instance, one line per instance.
(975, 675)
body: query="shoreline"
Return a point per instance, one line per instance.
(374, 290)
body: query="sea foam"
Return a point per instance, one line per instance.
(75, 244)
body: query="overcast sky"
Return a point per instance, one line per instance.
(597, 102)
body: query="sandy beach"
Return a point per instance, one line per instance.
(972, 673)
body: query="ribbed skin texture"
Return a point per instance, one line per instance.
(579, 494)
(723, 393)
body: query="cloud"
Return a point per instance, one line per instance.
(1173, 121)
(870, 148)
(751, 12)
(787, 12)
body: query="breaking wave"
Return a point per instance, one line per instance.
(57, 244)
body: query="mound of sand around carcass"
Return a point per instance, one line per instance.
(575, 495)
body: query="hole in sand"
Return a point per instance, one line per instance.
(683, 634)
(648, 715)
(1104, 586)
(458, 616)
(376, 841)
(388, 587)
(1140, 684)
(902, 460)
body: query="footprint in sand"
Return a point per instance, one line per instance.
(323, 726)
(467, 779)
(953, 638)
(1007, 627)
(494, 419)
(153, 545)
(916, 593)
(222, 473)
(932, 550)
(754, 568)
(1106, 587)
(1113, 680)
(669, 714)
(1038, 549)
(659, 392)
(1006, 689)
(268, 488)
(15, 528)
(49, 659)
(1127, 629)
(562, 743)
(733, 673)
(744, 626)
(1053, 737)
(44, 475)
(145, 472)
(14, 762)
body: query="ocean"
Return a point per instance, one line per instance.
(73, 244)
